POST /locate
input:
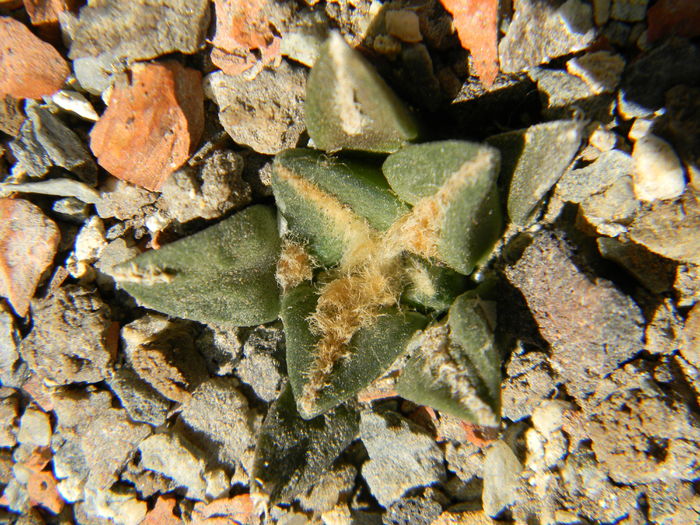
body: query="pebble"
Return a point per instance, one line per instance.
(122, 200)
(35, 428)
(28, 244)
(29, 67)
(74, 102)
(629, 10)
(303, 40)
(403, 24)
(9, 413)
(413, 510)
(9, 349)
(119, 507)
(501, 478)
(601, 70)
(540, 32)
(219, 415)
(601, 12)
(221, 348)
(577, 185)
(154, 120)
(176, 458)
(266, 113)
(141, 401)
(391, 471)
(261, 364)
(657, 173)
(690, 346)
(335, 484)
(71, 314)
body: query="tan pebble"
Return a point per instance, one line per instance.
(658, 173)
(601, 70)
(404, 25)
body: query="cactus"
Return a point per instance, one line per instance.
(373, 255)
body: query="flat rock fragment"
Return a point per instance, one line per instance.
(140, 400)
(658, 173)
(35, 428)
(45, 142)
(69, 340)
(11, 367)
(601, 70)
(153, 122)
(656, 273)
(140, 30)
(541, 31)
(670, 228)
(501, 478)
(9, 414)
(28, 243)
(261, 364)
(577, 185)
(11, 115)
(629, 10)
(265, 113)
(219, 412)
(98, 438)
(533, 160)
(29, 67)
(391, 471)
(174, 457)
(590, 324)
(44, 15)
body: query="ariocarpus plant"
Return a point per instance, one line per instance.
(374, 253)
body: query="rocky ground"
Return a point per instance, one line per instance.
(127, 125)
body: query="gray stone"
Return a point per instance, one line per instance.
(591, 326)
(58, 186)
(541, 31)
(147, 482)
(576, 185)
(17, 497)
(140, 30)
(393, 470)
(141, 401)
(122, 200)
(120, 506)
(687, 284)
(266, 113)
(629, 10)
(221, 348)
(611, 210)
(528, 381)
(116, 251)
(465, 459)
(325, 494)
(9, 412)
(218, 412)
(45, 141)
(261, 366)
(105, 435)
(670, 228)
(646, 80)
(207, 191)
(501, 479)
(12, 371)
(533, 160)
(34, 428)
(69, 465)
(68, 343)
(72, 209)
(410, 511)
(174, 457)
(94, 74)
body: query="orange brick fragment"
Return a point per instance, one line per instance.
(476, 22)
(42, 490)
(154, 120)
(29, 67)
(28, 243)
(162, 513)
(224, 510)
(479, 435)
(38, 459)
(44, 15)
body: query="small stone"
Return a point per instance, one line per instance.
(418, 510)
(41, 488)
(28, 243)
(74, 102)
(122, 200)
(35, 428)
(221, 348)
(641, 127)
(663, 333)
(658, 173)
(501, 479)
(590, 339)
(673, 17)
(601, 70)
(29, 67)
(302, 41)
(143, 403)
(647, 79)
(44, 15)
(687, 284)
(9, 413)
(218, 413)
(579, 184)
(154, 120)
(403, 24)
(208, 191)
(72, 209)
(174, 457)
(327, 491)
(162, 353)
(46, 142)
(68, 343)
(611, 210)
(261, 365)
(11, 115)
(629, 10)
(549, 416)
(391, 471)
(238, 509)
(690, 345)
(117, 505)
(540, 31)
(601, 11)
(603, 139)
(89, 243)
(528, 381)
(266, 113)
(670, 228)
(162, 513)
(11, 369)
(123, 32)
(459, 517)
(96, 440)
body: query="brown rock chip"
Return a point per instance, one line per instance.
(154, 120)
(29, 67)
(28, 243)
(44, 15)
(590, 324)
